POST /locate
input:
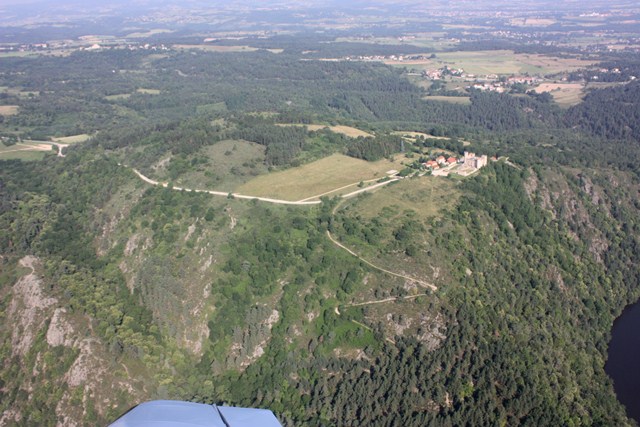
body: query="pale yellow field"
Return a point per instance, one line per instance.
(148, 33)
(345, 130)
(532, 22)
(118, 97)
(462, 100)
(24, 151)
(148, 91)
(72, 139)
(8, 110)
(498, 62)
(216, 48)
(565, 94)
(414, 135)
(318, 177)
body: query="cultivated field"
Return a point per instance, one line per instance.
(216, 48)
(565, 94)
(462, 100)
(532, 22)
(414, 135)
(24, 151)
(72, 139)
(345, 130)
(148, 91)
(8, 110)
(319, 177)
(430, 41)
(149, 33)
(118, 97)
(17, 91)
(498, 62)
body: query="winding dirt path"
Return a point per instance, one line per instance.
(381, 301)
(370, 264)
(222, 193)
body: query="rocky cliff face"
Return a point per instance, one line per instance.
(54, 361)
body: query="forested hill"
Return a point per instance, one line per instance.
(612, 113)
(87, 92)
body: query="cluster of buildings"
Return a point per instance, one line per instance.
(469, 159)
(396, 58)
(465, 165)
(439, 162)
(88, 43)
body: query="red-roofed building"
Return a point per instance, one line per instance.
(432, 164)
(452, 160)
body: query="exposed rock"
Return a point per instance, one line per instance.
(190, 231)
(431, 331)
(60, 331)
(399, 323)
(531, 185)
(10, 416)
(132, 244)
(249, 344)
(85, 366)
(31, 308)
(27, 308)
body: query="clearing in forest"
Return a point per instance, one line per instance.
(72, 139)
(216, 48)
(462, 100)
(349, 131)
(565, 94)
(498, 62)
(148, 91)
(222, 166)
(427, 196)
(24, 151)
(8, 110)
(336, 174)
(415, 135)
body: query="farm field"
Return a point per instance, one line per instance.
(148, 91)
(24, 151)
(18, 91)
(430, 41)
(462, 100)
(118, 97)
(532, 22)
(72, 139)
(565, 94)
(413, 135)
(149, 33)
(8, 110)
(498, 62)
(216, 48)
(345, 130)
(318, 177)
